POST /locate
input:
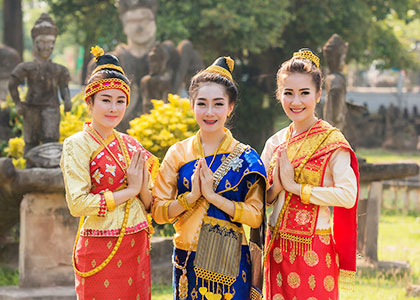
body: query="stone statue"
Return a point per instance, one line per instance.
(157, 83)
(138, 19)
(9, 58)
(41, 108)
(335, 109)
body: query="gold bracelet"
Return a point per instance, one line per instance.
(305, 193)
(183, 201)
(110, 201)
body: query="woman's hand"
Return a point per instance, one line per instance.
(195, 193)
(287, 174)
(135, 173)
(145, 194)
(206, 178)
(277, 186)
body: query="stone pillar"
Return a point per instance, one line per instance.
(47, 233)
(372, 225)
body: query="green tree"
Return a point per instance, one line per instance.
(89, 22)
(262, 34)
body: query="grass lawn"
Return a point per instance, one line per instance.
(379, 155)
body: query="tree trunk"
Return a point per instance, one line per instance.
(12, 25)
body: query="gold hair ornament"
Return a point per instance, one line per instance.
(220, 71)
(307, 54)
(108, 66)
(106, 84)
(97, 52)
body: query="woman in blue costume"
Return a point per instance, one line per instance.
(209, 185)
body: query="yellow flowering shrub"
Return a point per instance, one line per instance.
(71, 122)
(14, 150)
(166, 124)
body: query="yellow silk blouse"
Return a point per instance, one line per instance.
(188, 224)
(78, 151)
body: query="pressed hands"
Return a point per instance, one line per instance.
(137, 181)
(202, 186)
(283, 177)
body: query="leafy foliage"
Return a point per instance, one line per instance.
(227, 27)
(166, 124)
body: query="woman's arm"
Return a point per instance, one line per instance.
(74, 164)
(166, 206)
(344, 191)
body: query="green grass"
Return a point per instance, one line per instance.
(8, 276)
(379, 155)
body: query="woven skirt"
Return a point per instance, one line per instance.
(311, 276)
(127, 275)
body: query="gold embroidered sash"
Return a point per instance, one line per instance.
(219, 245)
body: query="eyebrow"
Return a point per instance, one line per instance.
(109, 96)
(215, 99)
(302, 89)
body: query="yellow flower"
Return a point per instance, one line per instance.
(97, 52)
(166, 124)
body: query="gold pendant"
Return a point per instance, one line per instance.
(183, 285)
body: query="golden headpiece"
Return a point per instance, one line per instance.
(222, 66)
(307, 53)
(106, 61)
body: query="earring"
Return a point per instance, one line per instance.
(318, 100)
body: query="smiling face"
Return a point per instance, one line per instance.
(108, 109)
(298, 96)
(211, 107)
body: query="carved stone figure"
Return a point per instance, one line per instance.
(9, 58)
(157, 83)
(41, 108)
(138, 19)
(335, 51)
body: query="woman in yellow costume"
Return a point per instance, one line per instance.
(209, 185)
(311, 167)
(106, 174)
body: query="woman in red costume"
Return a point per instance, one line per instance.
(106, 174)
(311, 167)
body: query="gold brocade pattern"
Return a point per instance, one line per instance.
(312, 282)
(326, 239)
(279, 279)
(277, 255)
(278, 297)
(186, 183)
(329, 283)
(346, 279)
(311, 258)
(292, 256)
(293, 279)
(328, 260)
